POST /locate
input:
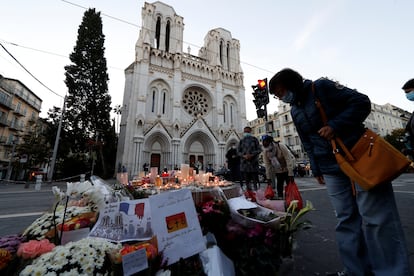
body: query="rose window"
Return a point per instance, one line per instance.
(195, 102)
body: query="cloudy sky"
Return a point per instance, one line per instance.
(367, 45)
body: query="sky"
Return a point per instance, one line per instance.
(367, 45)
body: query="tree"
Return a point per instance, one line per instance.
(88, 102)
(396, 138)
(34, 148)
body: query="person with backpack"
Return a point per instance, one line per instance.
(279, 163)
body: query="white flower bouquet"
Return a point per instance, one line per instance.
(84, 257)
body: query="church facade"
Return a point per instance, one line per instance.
(179, 108)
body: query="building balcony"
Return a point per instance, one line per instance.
(15, 126)
(3, 121)
(6, 103)
(19, 111)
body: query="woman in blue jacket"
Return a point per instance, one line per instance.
(369, 233)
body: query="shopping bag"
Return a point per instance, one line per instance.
(292, 193)
(269, 193)
(250, 195)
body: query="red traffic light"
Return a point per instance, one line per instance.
(261, 84)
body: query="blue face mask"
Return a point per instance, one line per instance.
(410, 95)
(288, 97)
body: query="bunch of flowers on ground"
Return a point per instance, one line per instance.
(84, 257)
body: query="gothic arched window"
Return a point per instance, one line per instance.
(167, 37)
(158, 32)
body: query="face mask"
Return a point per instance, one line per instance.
(246, 134)
(410, 95)
(288, 97)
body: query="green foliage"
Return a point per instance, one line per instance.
(86, 127)
(35, 146)
(395, 138)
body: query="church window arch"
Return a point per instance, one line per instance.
(158, 32)
(221, 52)
(164, 101)
(167, 36)
(228, 56)
(231, 115)
(154, 100)
(224, 112)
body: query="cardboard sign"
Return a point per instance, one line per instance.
(176, 224)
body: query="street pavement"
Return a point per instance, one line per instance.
(315, 251)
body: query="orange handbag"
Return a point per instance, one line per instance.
(371, 161)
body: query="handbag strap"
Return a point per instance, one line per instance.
(325, 122)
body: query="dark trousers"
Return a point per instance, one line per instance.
(281, 178)
(250, 177)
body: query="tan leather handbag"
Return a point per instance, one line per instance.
(371, 161)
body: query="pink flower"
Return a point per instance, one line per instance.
(256, 231)
(208, 207)
(34, 248)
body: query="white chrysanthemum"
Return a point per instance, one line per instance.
(39, 270)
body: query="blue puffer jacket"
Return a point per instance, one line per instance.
(346, 110)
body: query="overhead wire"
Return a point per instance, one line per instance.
(103, 14)
(30, 73)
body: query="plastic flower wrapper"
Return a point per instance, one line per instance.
(11, 242)
(84, 257)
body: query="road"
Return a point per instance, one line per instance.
(315, 252)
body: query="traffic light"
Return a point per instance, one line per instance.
(263, 90)
(261, 97)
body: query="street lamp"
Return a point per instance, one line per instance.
(55, 148)
(9, 168)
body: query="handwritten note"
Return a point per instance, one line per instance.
(134, 262)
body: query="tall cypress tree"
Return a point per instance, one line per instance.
(88, 103)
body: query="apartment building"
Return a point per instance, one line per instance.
(19, 111)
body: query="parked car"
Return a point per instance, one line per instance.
(300, 169)
(223, 173)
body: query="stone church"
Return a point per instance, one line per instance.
(180, 108)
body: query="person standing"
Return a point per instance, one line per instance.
(233, 163)
(408, 88)
(369, 233)
(279, 163)
(249, 150)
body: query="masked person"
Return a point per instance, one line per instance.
(409, 129)
(369, 234)
(233, 163)
(249, 150)
(279, 162)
